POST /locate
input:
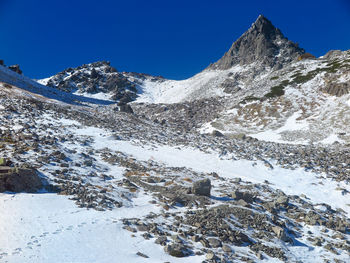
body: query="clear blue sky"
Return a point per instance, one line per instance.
(172, 38)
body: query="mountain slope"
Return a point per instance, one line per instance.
(128, 190)
(306, 102)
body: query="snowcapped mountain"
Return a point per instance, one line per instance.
(236, 164)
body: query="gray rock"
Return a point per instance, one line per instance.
(282, 200)
(142, 228)
(201, 187)
(241, 202)
(247, 197)
(142, 255)
(210, 256)
(215, 243)
(161, 240)
(176, 250)
(217, 133)
(226, 249)
(281, 234)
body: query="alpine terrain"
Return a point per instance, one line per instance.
(247, 161)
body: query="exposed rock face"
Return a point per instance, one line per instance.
(337, 89)
(262, 42)
(19, 180)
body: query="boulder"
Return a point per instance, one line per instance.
(215, 243)
(281, 234)
(246, 196)
(282, 200)
(177, 250)
(217, 133)
(19, 180)
(126, 108)
(201, 187)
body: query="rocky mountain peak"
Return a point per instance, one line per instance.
(264, 26)
(263, 43)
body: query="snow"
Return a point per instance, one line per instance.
(291, 124)
(203, 85)
(172, 91)
(43, 81)
(50, 228)
(99, 96)
(331, 139)
(207, 128)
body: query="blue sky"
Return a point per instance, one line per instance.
(175, 39)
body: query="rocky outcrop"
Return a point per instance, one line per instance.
(94, 78)
(262, 43)
(19, 180)
(100, 77)
(337, 89)
(16, 69)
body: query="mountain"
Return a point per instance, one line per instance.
(261, 48)
(247, 161)
(265, 87)
(262, 43)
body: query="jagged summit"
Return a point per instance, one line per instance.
(262, 42)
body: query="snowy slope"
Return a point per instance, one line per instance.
(203, 85)
(51, 228)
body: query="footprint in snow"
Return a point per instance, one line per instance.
(57, 231)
